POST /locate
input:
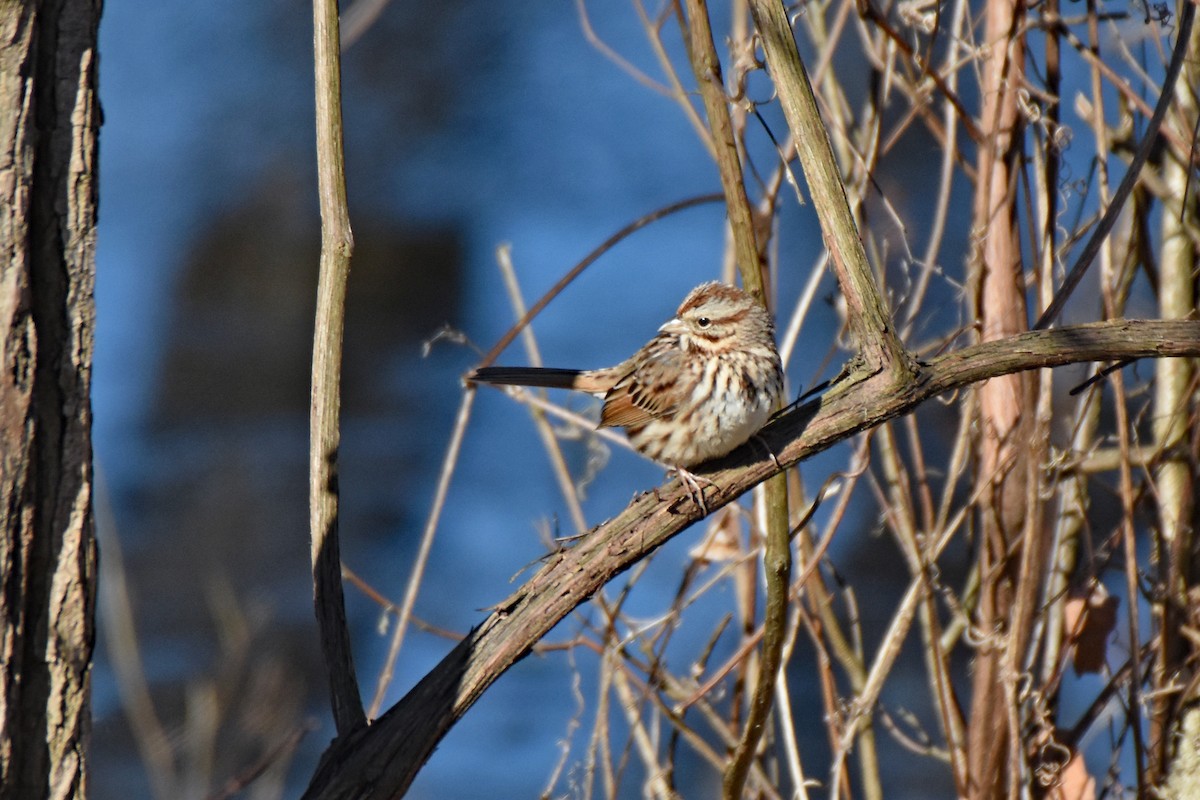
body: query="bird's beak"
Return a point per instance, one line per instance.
(675, 325)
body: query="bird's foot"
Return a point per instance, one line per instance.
(693, 483)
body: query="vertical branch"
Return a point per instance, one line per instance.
(777, 563)
(777, 556)
(707, 67)
(900, 516)
(1004, 421)
(1070, 513)
(1173, 404)
(870, 323)
(1047, 160)
(950, 154)
(1113, 295)
(1125, 489)
(1103, 146)
(337, 243)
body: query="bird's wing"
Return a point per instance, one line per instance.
(651, 388)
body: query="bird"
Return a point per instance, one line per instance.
(704, 385)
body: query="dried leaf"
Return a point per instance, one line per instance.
(723, 542)
(1060, 769)
(1074, 782)
(1090, 616)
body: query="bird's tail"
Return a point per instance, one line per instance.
(529, 376)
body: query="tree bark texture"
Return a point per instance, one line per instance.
(1004, 402)
(49, 119)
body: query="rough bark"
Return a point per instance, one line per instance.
(48, 132)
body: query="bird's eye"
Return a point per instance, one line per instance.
(704, 322)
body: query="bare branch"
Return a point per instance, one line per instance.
(387, 755)
(337, 243)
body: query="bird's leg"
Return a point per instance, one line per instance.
(770, 452)
(692, 481)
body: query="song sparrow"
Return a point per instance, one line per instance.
(700, 388)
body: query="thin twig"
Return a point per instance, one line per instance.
(707, 68)
(587, 261)
(284, 748)
(558, 464)
(120, 638)
(413, 587)
(1149, 138)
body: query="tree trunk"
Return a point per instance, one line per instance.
(49, 118)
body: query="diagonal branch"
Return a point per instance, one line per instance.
(381, 760)
(870, 323)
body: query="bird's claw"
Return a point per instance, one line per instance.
(692, 482)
